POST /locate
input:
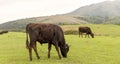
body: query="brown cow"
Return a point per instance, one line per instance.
(86, 30)
(46, 33)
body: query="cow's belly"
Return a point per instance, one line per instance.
(42, 41)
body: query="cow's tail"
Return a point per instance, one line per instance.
(27, 42)
(79, 31)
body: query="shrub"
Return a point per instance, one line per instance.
(74, 32)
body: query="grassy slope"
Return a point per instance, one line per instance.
(100, 50)
(97, 29)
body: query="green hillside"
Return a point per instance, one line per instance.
(59, 20)
(100, 20)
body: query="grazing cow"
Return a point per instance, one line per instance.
(46, 33)
(86, 30)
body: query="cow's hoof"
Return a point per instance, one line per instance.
(38, 57)
(30, 59)
(60, 58)
(48, 56)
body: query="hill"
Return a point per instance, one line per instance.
(107, 12)
(59, 20)
(103, 12)
(103, 9)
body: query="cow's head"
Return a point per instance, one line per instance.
(92, 35)
(64, 50)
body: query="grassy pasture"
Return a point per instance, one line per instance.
(103, 49)
(98, 29)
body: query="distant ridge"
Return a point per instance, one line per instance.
(106, 8)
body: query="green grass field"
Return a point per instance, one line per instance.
(103, 49)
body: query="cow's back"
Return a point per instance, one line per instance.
(83, 29)
(45, 32)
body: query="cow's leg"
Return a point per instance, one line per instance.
(88, 36)
(35, 49)
(57, 48)
(85, 35)
(30, 52)
(49, 49)
(81, 35)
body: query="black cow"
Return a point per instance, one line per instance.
(86, 30)
(46, 33)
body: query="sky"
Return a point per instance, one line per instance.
(17, 9)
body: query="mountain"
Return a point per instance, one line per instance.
(104, 12)
(106, 8)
